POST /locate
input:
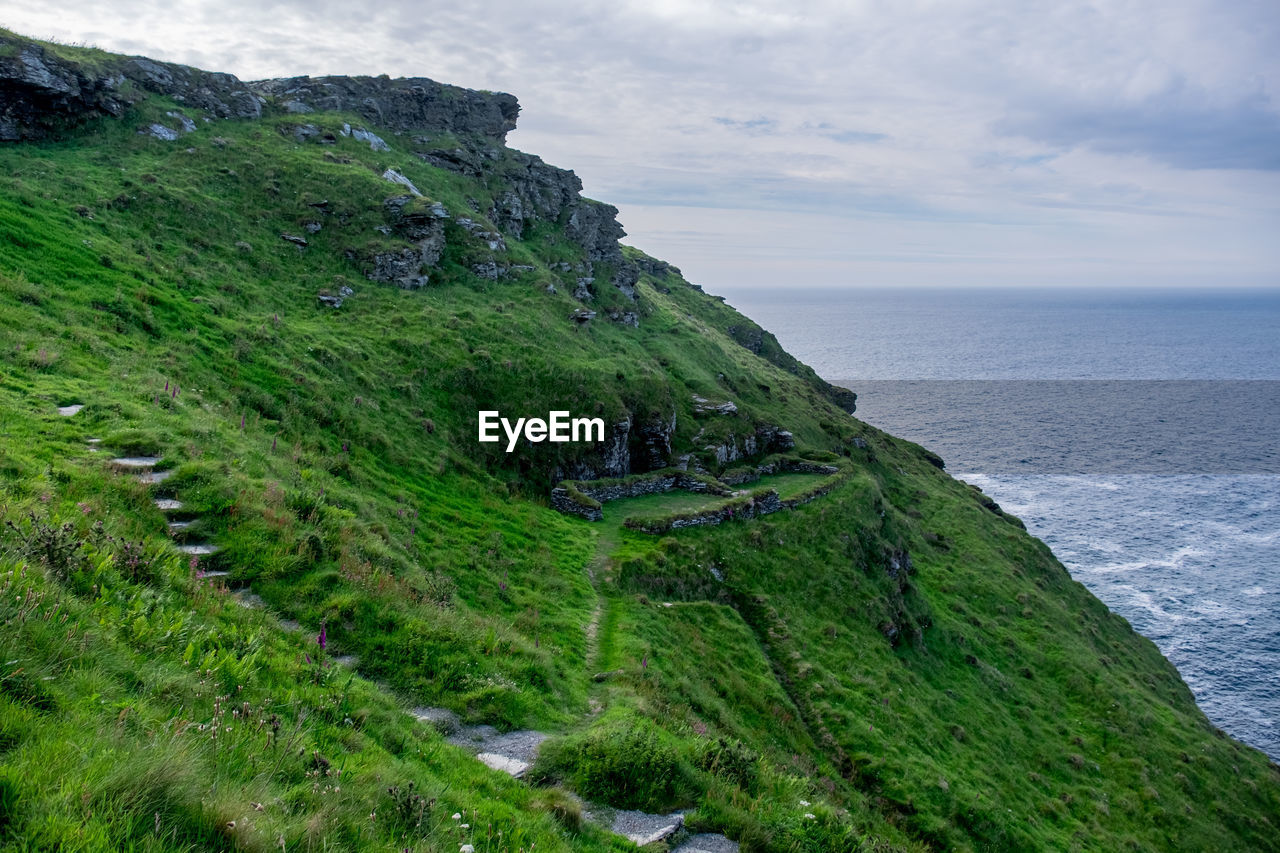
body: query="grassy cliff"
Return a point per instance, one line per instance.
(893, 666)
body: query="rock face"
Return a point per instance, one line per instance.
(41, 91)
(403, 104)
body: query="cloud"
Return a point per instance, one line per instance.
(1102, 129)
(752, 126)
(1242, 135)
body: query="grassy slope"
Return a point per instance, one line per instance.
(1013, 711)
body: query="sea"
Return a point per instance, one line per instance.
(1136, 432)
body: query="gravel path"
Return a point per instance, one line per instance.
(706, 843)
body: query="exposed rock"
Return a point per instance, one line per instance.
(703, 406)
(416, 221)
(159, 131)
(402, 104)
(582, 315)
(655, 267)
(403, 267)
(396, 178)
(491, 271)
(460, 160)
(610, 458)
(654, 442)
(626, 318)
(300, 242)
(359, 134)
(334, 300)
(302, 132)
(68, 411)
(582, 289)
(492, 239)
(312, 227)
(41, 92)
(186, 125)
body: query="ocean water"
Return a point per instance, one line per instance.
(1136, 433)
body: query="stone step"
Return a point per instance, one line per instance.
(642, 828)
(179, 526)
(199, 549)
(218, 574)
(513, 767)
(150, 478)
(135, 462)
(68, 411)
(167, 504)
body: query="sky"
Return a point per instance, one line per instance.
(845, 143)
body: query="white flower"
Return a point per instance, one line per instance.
(804, 802)
(465, 826)
(810, 816)
(457, 816)
(467, 848)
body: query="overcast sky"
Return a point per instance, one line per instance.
(888, 142)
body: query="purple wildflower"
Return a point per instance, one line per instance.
(413, 530)
(242, 422)
(323, 639)
(308, 657)
(345, 447)
(166, 386)
(273, 443)
(644, 662)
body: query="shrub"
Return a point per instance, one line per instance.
(627, 764)
(733, 761)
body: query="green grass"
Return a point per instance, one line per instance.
(981, 700)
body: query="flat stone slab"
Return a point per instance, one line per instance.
(214, 574)
(93, 441)
(135, 461)
(511, 766)
(200, 549)
(707, 843)
(179, 526)
(167, 504)
(68, 411)
(150, 478)
(643, 828)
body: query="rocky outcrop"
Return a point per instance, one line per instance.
(611, 458)
(42, 91)
(653, 442)
(404, 104)
(766, 438)
(537, 192)
(419, 221)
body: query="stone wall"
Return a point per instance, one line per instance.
(584, 499)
